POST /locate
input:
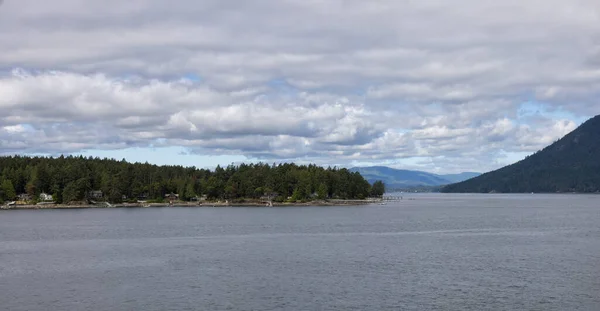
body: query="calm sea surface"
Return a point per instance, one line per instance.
(427, 252)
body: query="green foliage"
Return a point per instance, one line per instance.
(115, 196)
(7, 190)
(72, 178)
(322, 191)
(378, 189)
(160, 200)
(190, 190)
(76, 191)
(569, 165)
(297, 195)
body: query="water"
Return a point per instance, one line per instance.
(432, 252)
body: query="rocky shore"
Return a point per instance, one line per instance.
(193, 204)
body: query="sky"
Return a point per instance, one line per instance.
(439, 86)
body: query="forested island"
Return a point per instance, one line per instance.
(81, 180)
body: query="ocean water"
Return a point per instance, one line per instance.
(426, 252)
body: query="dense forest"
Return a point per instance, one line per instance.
(571, 164)
(72, 179)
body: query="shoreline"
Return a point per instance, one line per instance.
(191, 205)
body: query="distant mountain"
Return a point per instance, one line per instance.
(460, 177)
(402, 179)
(571, 164)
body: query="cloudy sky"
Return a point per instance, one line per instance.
(441, 86)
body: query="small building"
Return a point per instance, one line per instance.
(268, 196)
(24, 197)
(198, 198)
(172, 196)
(45, 197)
(95, 194)
(142, 197)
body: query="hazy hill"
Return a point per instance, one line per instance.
(399, 179)
(460, 177)
(571, 164)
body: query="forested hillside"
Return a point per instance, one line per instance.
(72, 178)
(571, 164)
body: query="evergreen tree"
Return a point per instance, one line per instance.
(71, 178)
(322, 191)
(378, 188)
(7, 191)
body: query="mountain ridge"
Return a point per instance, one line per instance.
(402, 179)
(571, 164)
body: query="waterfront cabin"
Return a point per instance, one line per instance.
(44, 197)
(199, 198)
(172, 196)
(24, 197)
(268, 196)
(95, 194)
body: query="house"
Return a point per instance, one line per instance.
(198, 198)
(45, 197)
(142, 197)
(24, 197)
(95, 194)
(172, 196)
(269, 196)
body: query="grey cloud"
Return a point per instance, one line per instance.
(145, 112)
(364, 80)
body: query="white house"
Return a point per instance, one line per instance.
(45, 197)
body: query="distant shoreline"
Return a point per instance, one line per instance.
(187, 204)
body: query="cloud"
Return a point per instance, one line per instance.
(100, 111)
(329, 81)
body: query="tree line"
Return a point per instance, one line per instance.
(73, 178)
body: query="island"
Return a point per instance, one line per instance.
(81, 182)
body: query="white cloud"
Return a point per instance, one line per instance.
(329, 81)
